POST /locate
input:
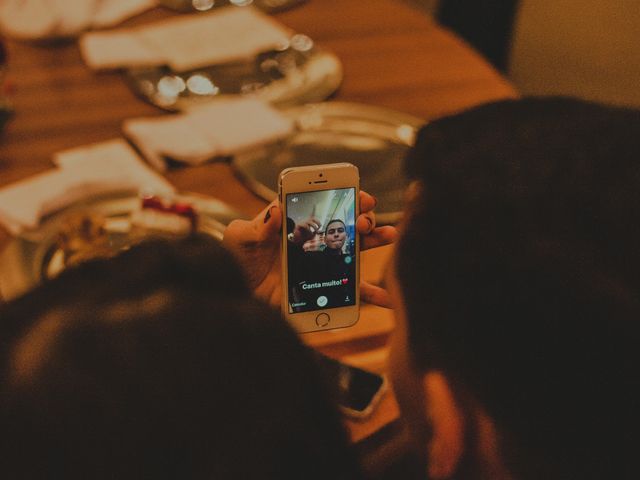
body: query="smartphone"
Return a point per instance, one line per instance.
(359, 391)
(320, 247)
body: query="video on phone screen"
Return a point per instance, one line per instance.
(321, 249)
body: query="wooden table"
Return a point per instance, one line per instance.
(393, 55)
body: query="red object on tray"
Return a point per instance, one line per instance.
(178, 208)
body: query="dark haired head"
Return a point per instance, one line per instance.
(336, 220)
(159, 364)
(334, 238)
(519, 268)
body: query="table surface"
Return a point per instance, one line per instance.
(393, 55)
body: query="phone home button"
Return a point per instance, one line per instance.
(323, 319)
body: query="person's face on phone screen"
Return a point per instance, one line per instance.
(335, 235)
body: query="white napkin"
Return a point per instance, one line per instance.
(105, 50)
(35, 19)
(82, 172)
(112, 12)
(222, 127)
(188, 41)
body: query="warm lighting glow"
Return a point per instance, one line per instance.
(286, 62)
(203, 5)
(283, 46)
(406, 133)
(147, 87)
(201, 85)
(242, 3)
(274, 3)
(360, 143)
(302, 43)
(251, 87)
(269, 64)
(171, 86)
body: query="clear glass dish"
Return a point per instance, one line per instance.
(269, 6)
(96, 228)
(374, 139)
(295, 74)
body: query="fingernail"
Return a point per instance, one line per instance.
(375, 201)
(268, 215)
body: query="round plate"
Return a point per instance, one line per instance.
(299, 73)
(269, 6)
(36, 255)
(373, 139)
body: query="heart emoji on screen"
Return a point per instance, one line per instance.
(345, 281)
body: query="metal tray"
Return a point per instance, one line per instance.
(36, 255)
(297, 73)
(374, 139)
(269, 6)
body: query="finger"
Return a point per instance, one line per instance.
(374, 295)
(269, 222)
(367, 202)
(366, 223)
(238, 232)
(248, 230)
(379, 237)
(315, 221)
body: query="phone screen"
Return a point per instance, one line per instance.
(321, 256)
(356, 388)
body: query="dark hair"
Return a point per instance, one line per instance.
(336, 220)
(520, 271)
(159, 364)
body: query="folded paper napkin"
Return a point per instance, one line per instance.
(221, 128)
(82, 172)
(187, 42)
(38, 19)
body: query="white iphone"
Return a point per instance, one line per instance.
(320, 246)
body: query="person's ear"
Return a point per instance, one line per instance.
(446, 445)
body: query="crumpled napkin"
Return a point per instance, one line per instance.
(187, 42)
(41, 19)
(220, 128)
(82, 173)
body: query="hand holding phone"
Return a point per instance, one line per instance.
(320, 246)
(257, 246)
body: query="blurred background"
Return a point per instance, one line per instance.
(102, 144)
(583, 48)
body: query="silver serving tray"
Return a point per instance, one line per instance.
(35, 255)
(374, 139)
(295, 74)
(269, 6)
